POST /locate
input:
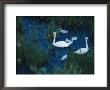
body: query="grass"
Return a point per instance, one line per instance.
(36, 58)
(80, 64)
(72, 21)
(55, 22)
(19, 24)
(30, 54)
(20, 49)
(51, 28)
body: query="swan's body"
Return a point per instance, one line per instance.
(83, 50)
(61, 43)
(64, 57)
(62, 31)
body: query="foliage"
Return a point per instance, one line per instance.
(72, 21)
(83, 64)
(20, 49)
(77, 64)
(38, 57)
(51, 28)
(19, 24)
(34, 57)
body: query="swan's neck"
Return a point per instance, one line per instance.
(86, 44)
(69, 43)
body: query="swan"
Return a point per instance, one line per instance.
(64, 57)
(62, 31)
(61, 43)
(83, 50)
(73, 38)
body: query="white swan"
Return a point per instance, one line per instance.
(73, 38)
(62, 31)
(83, 50)
(61, 43)
(64, 57)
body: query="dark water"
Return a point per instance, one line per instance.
(40, 29)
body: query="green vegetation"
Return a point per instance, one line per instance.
(19, 24)
(29, 52)
(83, 64)
(51, 28)
(78, 64)
(74, 22)
(36, 58)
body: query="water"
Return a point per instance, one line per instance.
(40, 29)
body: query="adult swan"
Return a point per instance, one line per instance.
(61, 44)
(83, 50)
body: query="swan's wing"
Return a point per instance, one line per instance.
(81, 51)
(61, 44)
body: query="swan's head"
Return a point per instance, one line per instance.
(74, 38)
(86, 38)
(54, 33)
